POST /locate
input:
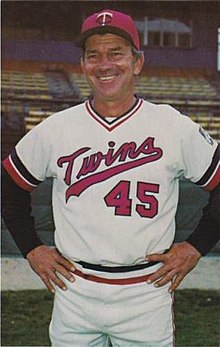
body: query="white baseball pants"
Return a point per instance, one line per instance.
(92, 314)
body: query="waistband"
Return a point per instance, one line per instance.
(116, 269)
(119, 275)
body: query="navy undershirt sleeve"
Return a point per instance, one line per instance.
(207, 232)
(16, 213)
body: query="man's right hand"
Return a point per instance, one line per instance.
(48, 263)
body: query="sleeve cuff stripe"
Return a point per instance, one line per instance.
(212, 173)
(16, 176)
(213, 182)
(22, 169)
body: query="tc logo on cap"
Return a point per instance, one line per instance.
(104, 18)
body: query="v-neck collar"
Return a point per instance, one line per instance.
(118, 120)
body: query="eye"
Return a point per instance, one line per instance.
(92, 56)
(116, 55)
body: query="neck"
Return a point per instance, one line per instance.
(113, 108)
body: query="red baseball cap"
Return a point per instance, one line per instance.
(109, 21)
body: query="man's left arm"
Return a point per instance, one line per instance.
(183, 257)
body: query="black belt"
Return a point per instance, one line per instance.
(116, 269)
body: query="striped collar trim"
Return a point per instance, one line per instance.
(110, 126)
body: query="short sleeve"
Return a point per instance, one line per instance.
(28, 164)
(199, 154)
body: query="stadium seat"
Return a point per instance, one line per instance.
(44, 91)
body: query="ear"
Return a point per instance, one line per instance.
(138, 64)
(82, 65)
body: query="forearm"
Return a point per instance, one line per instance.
(207, 232)
(16, 213)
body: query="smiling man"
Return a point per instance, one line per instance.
(110, 67)
(116, 161)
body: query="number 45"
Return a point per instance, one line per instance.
(118, 197)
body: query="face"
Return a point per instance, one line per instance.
(110, 67)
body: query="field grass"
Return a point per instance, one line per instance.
(26, 315)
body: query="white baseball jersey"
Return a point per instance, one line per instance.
(115, 184)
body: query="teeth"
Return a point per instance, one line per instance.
(106, 78)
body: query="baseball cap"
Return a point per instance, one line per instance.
(109, 21)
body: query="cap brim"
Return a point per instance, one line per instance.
(80, 41)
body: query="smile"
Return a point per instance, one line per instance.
(106, 78)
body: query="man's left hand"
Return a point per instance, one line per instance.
(177, 262)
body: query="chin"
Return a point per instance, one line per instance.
(109, 94)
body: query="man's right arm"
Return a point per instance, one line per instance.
(16, 213)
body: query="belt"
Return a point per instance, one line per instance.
(116, 269)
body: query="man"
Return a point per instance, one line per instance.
(115, 161)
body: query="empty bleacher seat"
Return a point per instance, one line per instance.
(175, 87)
(81, 85)
(60, 86)
(34, 117)
(20, 84)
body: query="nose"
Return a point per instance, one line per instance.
(104, 65)
(104, 59)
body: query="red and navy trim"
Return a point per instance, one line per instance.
(110, 126)
(18, 172)
(211, 178)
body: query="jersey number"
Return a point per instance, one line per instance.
(118, 197)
